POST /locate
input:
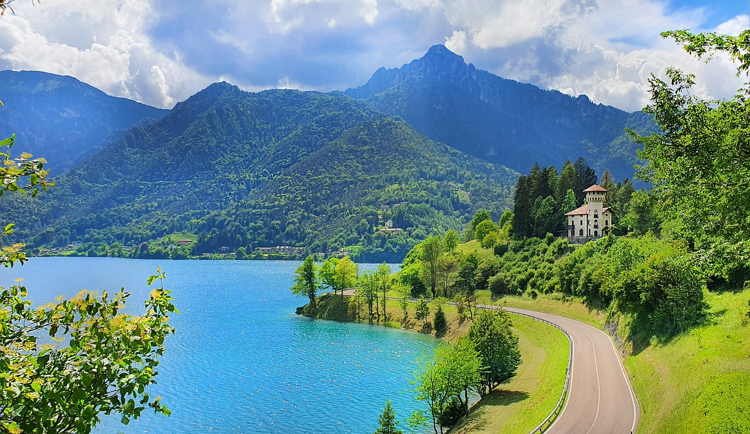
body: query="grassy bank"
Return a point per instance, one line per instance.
(700, 380)
(519, 406)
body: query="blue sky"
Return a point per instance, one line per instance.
(162, 51)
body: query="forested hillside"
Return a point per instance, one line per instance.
(501, 120)
(246, 170)
(63, 119)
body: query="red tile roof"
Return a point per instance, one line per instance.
(581, 210)
(584, 209)
(595, 188)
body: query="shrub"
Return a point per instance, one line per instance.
(451, 413)
(500, 284)
(439, 323)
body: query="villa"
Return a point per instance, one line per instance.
(593, 219)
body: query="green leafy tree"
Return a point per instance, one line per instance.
(100, 360)
(439, 324)
(451, 240)
(306, 281)
(387, 422)
(483, 229)
(546, 216)
(345, 275)
(327, 274)
(466, 277)
(479, 217)
(423, 309)
(383, 277)
(432, 249)
(497, 346)
(455, 372)
(368, 289)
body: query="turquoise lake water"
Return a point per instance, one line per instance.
(240, 360)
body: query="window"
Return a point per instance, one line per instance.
(596, 233)
(596, 225)
(580, 232)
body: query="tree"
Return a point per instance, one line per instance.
(451, 240)
(455, 372)
(109, 359)
(383, 276)
(522, 208)
(585, 177)
(497, 346)
(569, 201)
(327, 274)
(466, 278)
(483, 229)
(388, 422)
(368, 289)
(479, 217)
(641, 216)
(567, 182)
(423, 309)
(306, 281)
(698, 163)
(439, 324)
(345, 274)
(432, 248)
(545, 216)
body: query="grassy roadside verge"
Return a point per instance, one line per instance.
(700, 380)
(519, 406)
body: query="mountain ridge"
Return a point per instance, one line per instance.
(501, 120)
(62, 118)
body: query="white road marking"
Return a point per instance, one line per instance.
(627, 381)
(598, 388)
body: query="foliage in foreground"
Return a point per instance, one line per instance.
(107, 360)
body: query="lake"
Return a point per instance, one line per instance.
(240, 360)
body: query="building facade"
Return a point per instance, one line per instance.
(593, 219)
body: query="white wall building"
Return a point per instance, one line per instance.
(593, 219)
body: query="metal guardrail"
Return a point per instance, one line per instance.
(552, 416)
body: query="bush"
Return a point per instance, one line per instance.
(439, 323)
(451, 413)
(423, 309)
(500, 284)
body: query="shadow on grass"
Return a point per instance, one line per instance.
(474, 421)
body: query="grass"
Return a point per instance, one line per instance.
(700, 380)
(567, 306)
(520, 405)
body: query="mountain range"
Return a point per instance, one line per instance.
(63, 119)
(372, 170)
(500, 120)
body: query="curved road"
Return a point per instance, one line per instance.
(600, 399)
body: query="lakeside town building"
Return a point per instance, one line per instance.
(593, 219)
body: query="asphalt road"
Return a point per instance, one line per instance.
(600, 399)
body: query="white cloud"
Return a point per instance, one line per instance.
(604, 48)
(734, 25)
(101, 42)
(456, 42)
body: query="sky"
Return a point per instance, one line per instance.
(162, 51)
